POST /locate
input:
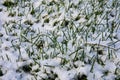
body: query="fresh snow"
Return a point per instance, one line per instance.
(60, 40)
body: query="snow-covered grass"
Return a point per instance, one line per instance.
(59, 39)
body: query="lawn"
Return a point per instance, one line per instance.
(59, 39)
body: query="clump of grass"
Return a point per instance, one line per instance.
(26, 68)
(0, 9)
(65, 23)
(46, 20)
(12, 14)
(82, 77)
(118, 77)
(28, 22)
(1, 73)
(51, 76)
(9, 3)
(1, 35)
(32, 12)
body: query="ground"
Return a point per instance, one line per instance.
(59, 40)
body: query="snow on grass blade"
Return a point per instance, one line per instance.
(59, 39)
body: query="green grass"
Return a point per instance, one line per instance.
(74, 32)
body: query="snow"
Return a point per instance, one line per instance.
(67, 75)
(42, 29)
(4, 17)
(62, 48)
(51, 62)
